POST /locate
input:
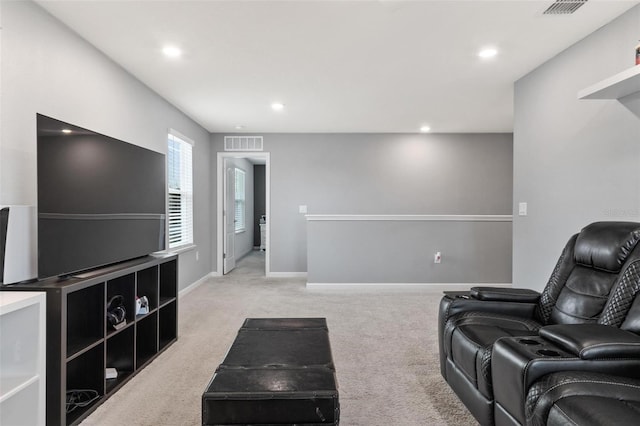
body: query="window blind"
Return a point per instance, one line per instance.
(180, 191)
(240, 200)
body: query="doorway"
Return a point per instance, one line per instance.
(227, 234)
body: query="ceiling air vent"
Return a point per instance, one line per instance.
(243, 143)
(564, 7)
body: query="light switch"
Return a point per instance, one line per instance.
(522, 209)
(302, 209)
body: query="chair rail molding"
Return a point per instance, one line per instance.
(409, 217)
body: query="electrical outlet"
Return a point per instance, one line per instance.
(302, 209)
(197, 256)
(437, 258)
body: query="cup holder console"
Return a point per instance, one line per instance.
(527, 358)
(537, 347)
(547, 352)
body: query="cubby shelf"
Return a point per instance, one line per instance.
(91, 344)
(111, 333)
(614, 87)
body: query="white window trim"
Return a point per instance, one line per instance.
(190, 244)
(183, 248)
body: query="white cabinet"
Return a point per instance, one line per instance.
(263, 236)
(22, 358)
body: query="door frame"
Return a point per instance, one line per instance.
(220, 205)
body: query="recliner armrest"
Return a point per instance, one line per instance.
(593, 341)
(457, 302)
(502, 294)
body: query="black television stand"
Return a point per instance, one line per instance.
(81, 344)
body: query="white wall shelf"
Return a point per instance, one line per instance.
(22, 358)
(614, 87)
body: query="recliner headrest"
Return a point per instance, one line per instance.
(606, 245)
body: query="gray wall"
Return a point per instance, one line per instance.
(403, 252)
(575, 161)
(450, 174)
(259, 204)
(46, 68)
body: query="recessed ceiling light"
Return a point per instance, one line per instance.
(277, 106)
(489, 52)
(171, 51)
(66, 131)
(425, 129)
(239, 127)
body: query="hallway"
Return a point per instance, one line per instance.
(252, 264)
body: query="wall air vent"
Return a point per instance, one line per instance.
(564, 7)
(243, 143)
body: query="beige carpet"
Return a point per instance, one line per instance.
(384, 344)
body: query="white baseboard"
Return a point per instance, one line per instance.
(404, 286)
(287, 275)
(193, 286)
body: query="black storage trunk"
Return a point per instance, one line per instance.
(277, 372)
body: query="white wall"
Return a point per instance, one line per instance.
(575, 161)
(46, 68)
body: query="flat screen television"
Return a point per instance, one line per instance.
(100, 200)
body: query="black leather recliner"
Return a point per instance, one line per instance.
(602, 257)
(586, 399)
(518, 364)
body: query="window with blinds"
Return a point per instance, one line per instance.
(240, 201)
(180, 191)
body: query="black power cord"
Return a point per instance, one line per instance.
(80, 398)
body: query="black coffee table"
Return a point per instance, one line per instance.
(277, 371)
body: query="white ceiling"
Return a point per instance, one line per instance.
(338, 66)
